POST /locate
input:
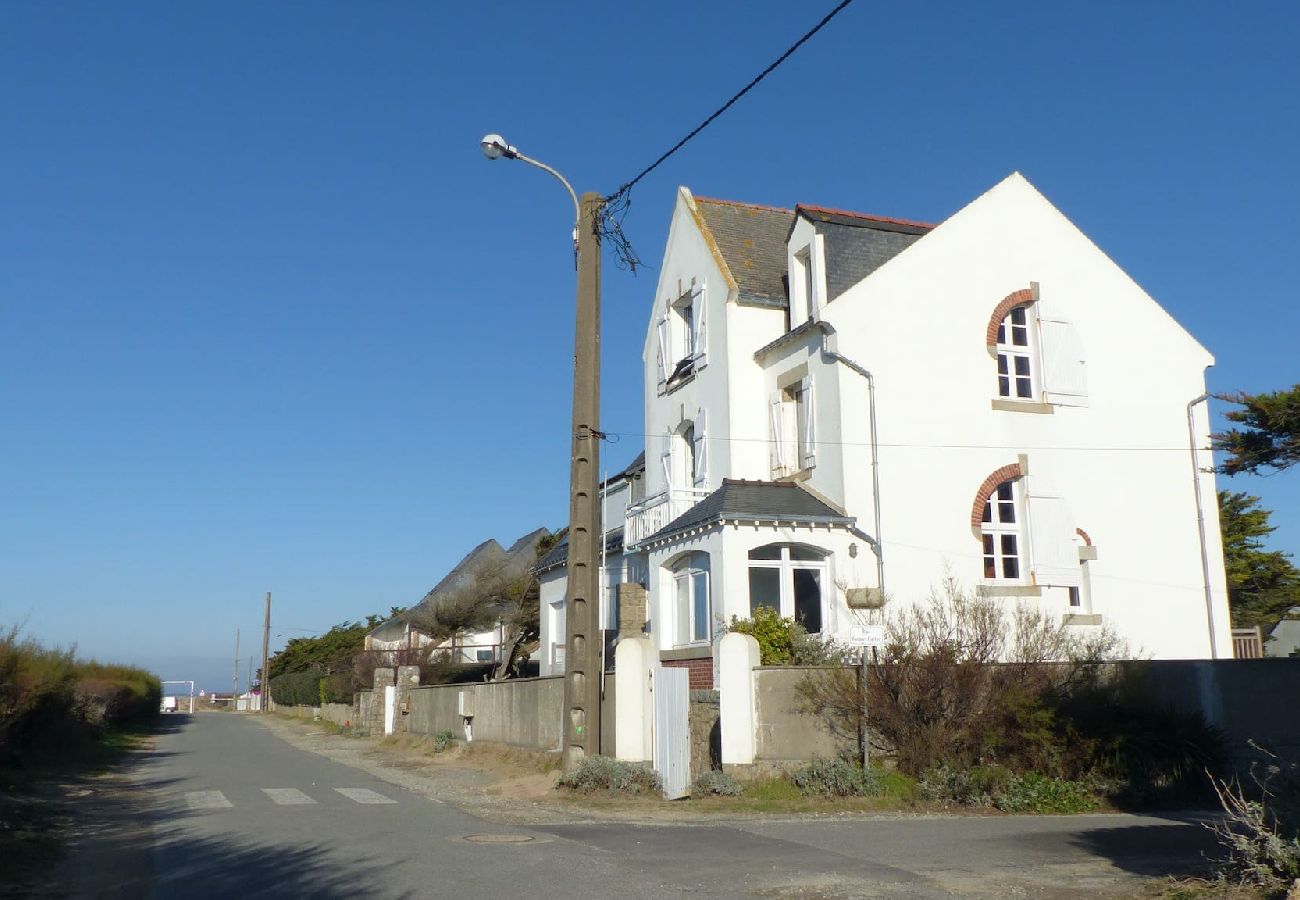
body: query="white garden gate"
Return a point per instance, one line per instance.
(670, 688)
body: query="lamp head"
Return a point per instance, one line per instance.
(494, 146)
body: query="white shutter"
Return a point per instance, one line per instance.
(809, 423)
(1052, 551)
(662, 328)
(1065, 380)
(701, 473)
(701, 335)
(777, 446)
(667, 461)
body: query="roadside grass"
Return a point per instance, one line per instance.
(34, 814)
(1205, 889)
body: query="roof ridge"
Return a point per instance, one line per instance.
(860, 215)
(782, 209)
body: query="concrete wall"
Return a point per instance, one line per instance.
(365, 705)
(783, 733)
(608, 717)
(1246, 699)
(524, 712)
(342, 714)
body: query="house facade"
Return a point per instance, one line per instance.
(842, 410)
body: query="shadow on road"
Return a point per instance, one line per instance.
(1182, 848)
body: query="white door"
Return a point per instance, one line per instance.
(672, 735)
(390, 707)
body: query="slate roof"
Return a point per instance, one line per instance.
(559, 554)
(752, 240)
(766, 501)
(855, 244)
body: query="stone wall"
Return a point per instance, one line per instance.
(522, 712)
(341, 714)
(706, 732)
(365, 709)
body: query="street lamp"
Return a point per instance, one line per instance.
(583, 640)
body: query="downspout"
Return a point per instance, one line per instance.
(1200, 525)
(829, 348)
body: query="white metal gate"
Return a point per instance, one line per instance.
(390, 708)
(672, 734)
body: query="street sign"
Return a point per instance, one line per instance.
(867, 636)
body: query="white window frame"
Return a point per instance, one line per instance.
(688, 577)
(1009, 352)
(995, 528)
(792, 420)
(786, 566)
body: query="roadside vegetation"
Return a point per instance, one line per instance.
(60, 717)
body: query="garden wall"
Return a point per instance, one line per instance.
(523, 712)
(783, 733)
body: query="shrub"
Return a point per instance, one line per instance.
(615, 776)
(1036, 793)
(717, 783)
(296, 689)
(442, 740)
(785, 642)
(1261, 830)
(836, 778)
(975, 786)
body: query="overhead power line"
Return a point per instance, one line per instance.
(616, 205)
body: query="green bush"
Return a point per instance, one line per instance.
(296, 689)
(1036, 793)
(603, 773)
(442, 740)
(836, 778)
(717, 783)
(785, 642)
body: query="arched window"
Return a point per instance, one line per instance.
(691, 599)
(791, 579)
(1000, 533)
(1016, 378)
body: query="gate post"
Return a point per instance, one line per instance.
(738, 656)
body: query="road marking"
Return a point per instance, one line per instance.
(287, 796)
(206, 800)
(362, 795)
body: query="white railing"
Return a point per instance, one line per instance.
(653, 513)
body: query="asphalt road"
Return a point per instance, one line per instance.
(225, 808)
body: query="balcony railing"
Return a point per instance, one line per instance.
(653, 513)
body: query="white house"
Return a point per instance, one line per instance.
(843, 407)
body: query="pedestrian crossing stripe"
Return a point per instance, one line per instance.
(287, 796)
(207, 800)
(362, 795)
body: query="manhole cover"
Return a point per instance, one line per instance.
(498, 838)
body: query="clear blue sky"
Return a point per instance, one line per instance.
(271, 322)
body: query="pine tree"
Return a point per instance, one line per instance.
(1270, 436)
(1262, 584)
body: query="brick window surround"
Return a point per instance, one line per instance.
(1000, 312)
(1008, 472)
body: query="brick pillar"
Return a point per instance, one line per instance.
(383, 678)
(631, 610)
(407, 677)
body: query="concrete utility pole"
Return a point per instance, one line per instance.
(584, 642)
(266, 648)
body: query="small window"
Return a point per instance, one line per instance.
(803, 262)
(793, 427)
(1015, 355)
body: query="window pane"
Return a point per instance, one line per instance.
(1022, 365)
(683, 609)
(1002, 332)
(1006, 512)
(1004, 386)
(1020, 337)
(771, 551)
(806, 553)
(1024, 389)
(700, 599)
(1005, 490)
(808, 599)
(1002, 364)
(764, 589)
(988, 512)
(1008, 544)
(1018, 316)
(1011, 568)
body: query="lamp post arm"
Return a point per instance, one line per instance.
(577, 207)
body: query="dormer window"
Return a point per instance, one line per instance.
(803, 263)
(682, 340)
